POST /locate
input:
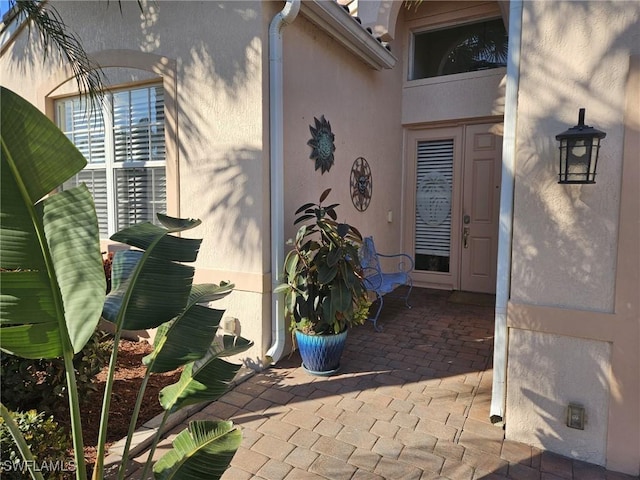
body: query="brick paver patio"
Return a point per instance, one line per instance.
(411, 402)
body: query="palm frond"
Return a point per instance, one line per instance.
(43, 19)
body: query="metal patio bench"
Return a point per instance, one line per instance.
(382, 282)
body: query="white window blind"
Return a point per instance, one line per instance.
(138, 125)
(140, 194)
(84, 128)
(433, 197)
(125, 149)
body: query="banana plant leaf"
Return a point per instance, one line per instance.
(184, 339)
(188, 337)
(148, 287)
(206, 379)
(50, 263)
(204, 450)
(147, 236)
(209, 292)
(175, 224)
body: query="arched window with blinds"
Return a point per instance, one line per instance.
(124, 145)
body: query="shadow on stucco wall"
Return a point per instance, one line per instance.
(232, 207)
(566, 234)
(219, 101)
(218, 129)
(548, 373)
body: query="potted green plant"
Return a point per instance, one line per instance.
(323, 285)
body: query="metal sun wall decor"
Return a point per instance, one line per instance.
(361, 184)
(322, 144)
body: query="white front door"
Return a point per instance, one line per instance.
(453, 179)
(480, 209)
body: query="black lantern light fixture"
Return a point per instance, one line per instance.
(579, 148)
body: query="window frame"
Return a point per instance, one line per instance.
(440, 16)
(412, 32)
(164, 69)
(110, 165)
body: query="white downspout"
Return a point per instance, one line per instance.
(276, 139)
(503, 283)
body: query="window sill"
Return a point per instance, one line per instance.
(457, 77)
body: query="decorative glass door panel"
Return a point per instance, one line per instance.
(452, 206)
(433, 208)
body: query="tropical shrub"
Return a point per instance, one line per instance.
(53, 295)
(40, 384)
(47, 441)
(323, 286)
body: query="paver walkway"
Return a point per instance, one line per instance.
(411, 402)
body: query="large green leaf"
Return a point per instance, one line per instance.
(206, 379)
(341, 298)
(52, 277)
(174, 224)
(202, 385)
(151, 288)
(147, 236)
(209, 292)
(71, 229)
(204, 450)
(326, 273)
(39, 156)
(334, 256)
(188, 337)
(291, 266)
(154, 290)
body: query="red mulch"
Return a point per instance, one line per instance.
(128, 378)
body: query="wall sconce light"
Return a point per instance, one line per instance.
(579, 148)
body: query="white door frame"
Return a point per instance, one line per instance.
(455, 131)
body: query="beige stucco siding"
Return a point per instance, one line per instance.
(363, 107)
(564, 246)
(573, 316)
(217, 50)
(549, 373)
(452, 98)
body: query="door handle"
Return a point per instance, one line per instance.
(465, 237)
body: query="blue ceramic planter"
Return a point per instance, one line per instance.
(321, 353)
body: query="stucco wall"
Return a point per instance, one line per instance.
(363, 107)
(573, 315)
(565, 370)
(565, 236)
(219, 137)
(454, 97)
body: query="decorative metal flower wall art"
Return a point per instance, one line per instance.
(322, 144)
(361, 184)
